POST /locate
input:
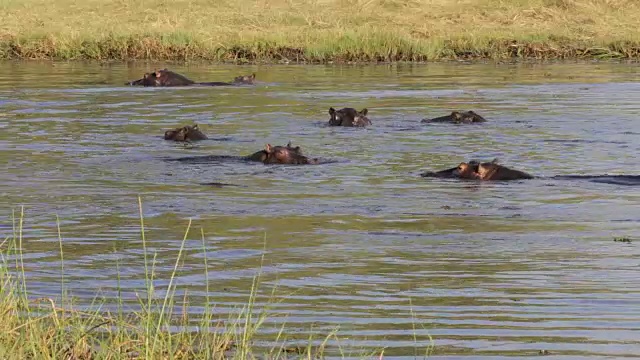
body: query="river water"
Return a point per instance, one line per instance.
(361, 243)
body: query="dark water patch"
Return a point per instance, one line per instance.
(210, 159)
(195, 143)
(586, 141)
(626, 180)
(217, 184)
(220, 159)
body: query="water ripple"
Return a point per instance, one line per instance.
(362, 241)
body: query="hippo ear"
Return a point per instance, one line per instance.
(195, 127)
(289, 144)
(332, 111)
(494, 161)
(364, 112)
(253, 76)
(268, 148)
(157, 74)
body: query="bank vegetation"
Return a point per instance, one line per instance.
(164, 322)
(318, 31)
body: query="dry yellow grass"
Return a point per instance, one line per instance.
(318, 30)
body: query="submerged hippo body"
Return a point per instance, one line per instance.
(238, 80)
(457, 117)
(492, 171)
(185, 133)
(281, 155)
(348, 117)
(166, 78)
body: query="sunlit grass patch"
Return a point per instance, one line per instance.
(319, 30)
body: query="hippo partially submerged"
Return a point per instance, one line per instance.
(457, 117)
(446, 174)
(281, 155)
(348, 117)
(166, 77)
(492, 171)
(269, 155)
(185, 133)
(488, 171)
(475, 170)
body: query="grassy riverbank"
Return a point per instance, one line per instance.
(162, 325)
(318, 30)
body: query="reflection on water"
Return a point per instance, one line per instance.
(362, 241)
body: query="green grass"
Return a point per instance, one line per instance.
(46, 328)
(318, 30)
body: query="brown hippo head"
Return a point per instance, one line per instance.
(466, 117)
(165, 77)
(245, 79)
(494, 171)
(466, 171)
(267, 154)
(457, 117)
(285, 155)
(185, 133)
(349, 117)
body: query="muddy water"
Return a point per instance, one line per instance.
(361, 243)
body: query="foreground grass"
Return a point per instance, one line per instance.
(44, 329)
(318, 30)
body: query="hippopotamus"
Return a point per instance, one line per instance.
(488, 171)
(185, 133)
(281, 155)
(492, 171)
(348, 117)
(166, 77)
(269, 155)
(448, 173)
(476, 170)
(457, 117)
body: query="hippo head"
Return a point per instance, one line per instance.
(285, 155)
(165, 77)
(466, 171)
(348, 117)
(245, 79)
(361, 118)
(487, 170)
(185, 133)
(466, 117)
(155, 78)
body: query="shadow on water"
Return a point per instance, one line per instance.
(628, 180)
(366, 244)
